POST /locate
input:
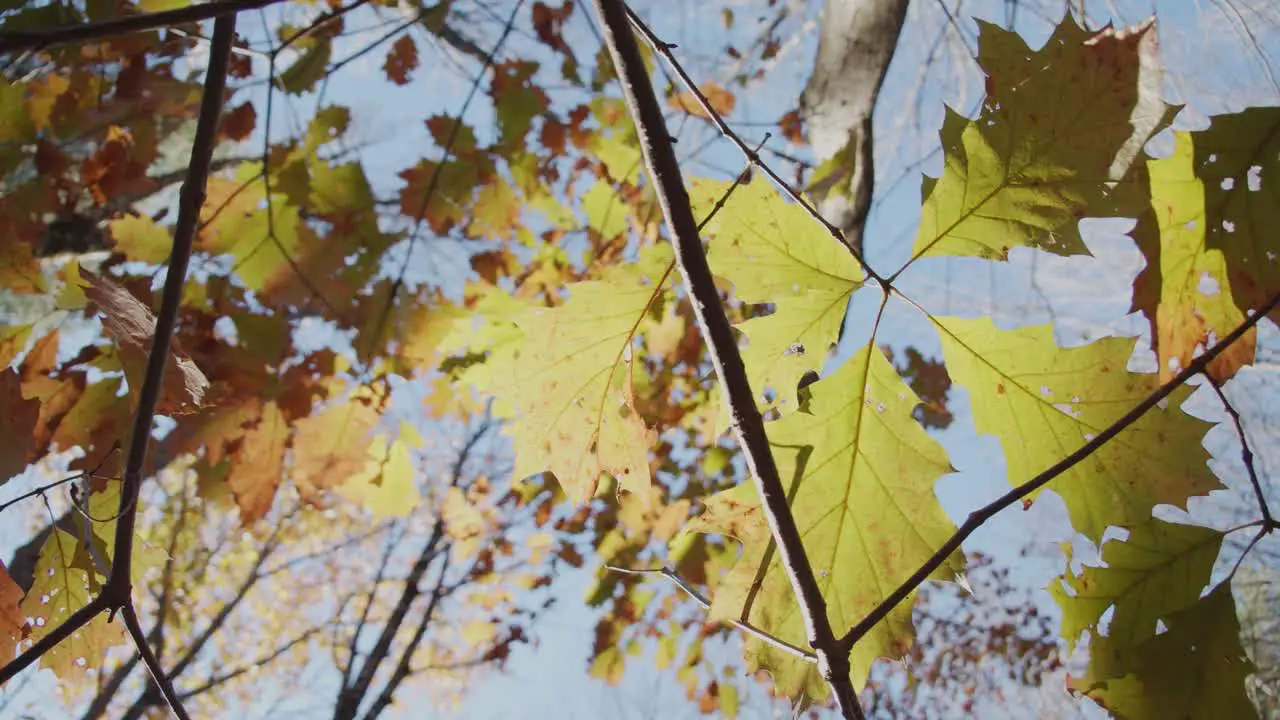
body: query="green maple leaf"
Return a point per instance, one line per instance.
(1059, 126)
(606, 212)
(860, 472)
(1194, 670)
(568, 381)
(309, 68)
(140, 238)
(60, 588)
(1045, 401)
(241, 228)
(1159, 569)
(1239, 157)
(773, 252)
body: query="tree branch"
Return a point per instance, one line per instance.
(404, 665)
(148, 658)
(191, 199)
(350, 697)
(748, 425)
(752, 156)
(857, 42)
(1246, 454)
(116, 595)
(980, 516)
(18, 40)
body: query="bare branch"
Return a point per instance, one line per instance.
(19, 40)
(1246, 454)
(144, 651)
(404, 665)
(748, 425)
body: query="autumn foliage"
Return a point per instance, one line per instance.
(570, 325)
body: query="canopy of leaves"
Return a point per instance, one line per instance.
(558, 304)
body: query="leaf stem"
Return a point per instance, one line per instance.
(748, 425)
(799, 652)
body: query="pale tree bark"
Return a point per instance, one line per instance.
(857, 42)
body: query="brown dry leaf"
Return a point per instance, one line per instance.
(548, 23)
(17, 421)
(792, 127)
(132, 325)
(721, 100)
(402, 59)
(238, 124)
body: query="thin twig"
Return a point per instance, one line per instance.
(1246, 454)
(428, 195)
(799, 652)
(163, 683)
(752, 156)
(17, 40)
(748, 425)
(40, 491)
(404, 665)
(351, 695)
(980, 516)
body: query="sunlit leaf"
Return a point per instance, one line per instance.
(132, 326)
(1196, 669)
(1044, 402)
(60, 589)
(1058, 126)
(1159, 569)
(860, 474)
(774, 252)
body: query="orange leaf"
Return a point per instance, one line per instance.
(548, 23)
(331, 447)
(721, 101)
(792, 126)
(402, 59)
(131, 325)
(13, 622)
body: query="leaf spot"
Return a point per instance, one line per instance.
(1254, 178)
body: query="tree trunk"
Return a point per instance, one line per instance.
(854, 51)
